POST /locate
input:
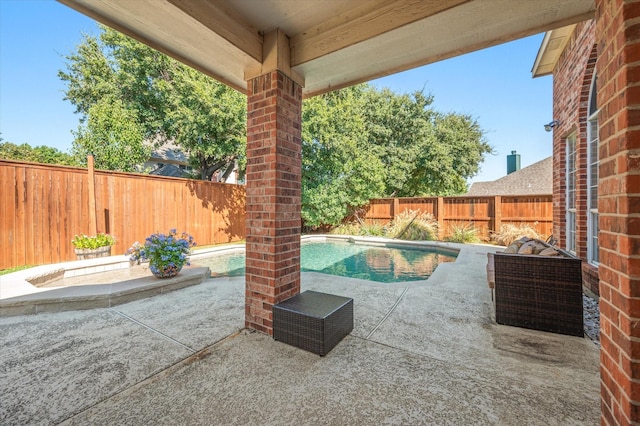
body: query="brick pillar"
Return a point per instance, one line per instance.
(273, 195)
(618, 71)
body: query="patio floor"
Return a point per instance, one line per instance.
(420, 353)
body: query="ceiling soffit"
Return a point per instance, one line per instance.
(331, 43)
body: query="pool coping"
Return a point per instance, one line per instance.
(19, 295)
(90, 296)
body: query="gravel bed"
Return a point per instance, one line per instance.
(591, 314)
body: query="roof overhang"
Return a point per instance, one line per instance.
(329, 44)
(551, 48)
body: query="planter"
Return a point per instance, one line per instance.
(83, 254)
(168, 272)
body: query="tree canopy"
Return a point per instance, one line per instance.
(363, 142)
(113, 135)
(358, 143)
(131, 97)
(339, 171)
(38, 154)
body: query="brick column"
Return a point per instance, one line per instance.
(273, 195)
(618, 68)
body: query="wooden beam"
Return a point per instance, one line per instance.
(312, 90)
(362, 23)
(277, 56)
(166, 19)
(226, 23)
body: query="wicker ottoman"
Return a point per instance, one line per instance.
(313, 321)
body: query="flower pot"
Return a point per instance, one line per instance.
(83, 254)
(168, 272)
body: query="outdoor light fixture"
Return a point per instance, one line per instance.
(549, 127)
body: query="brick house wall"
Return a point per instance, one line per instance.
(618, 39)
(572, 78)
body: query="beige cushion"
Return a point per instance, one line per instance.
(549, 251)
(512, 249)
(527, 248)
(538, 247)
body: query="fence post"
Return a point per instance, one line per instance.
(497, 213)
(93, 223)
(440, 217)
(394, 208)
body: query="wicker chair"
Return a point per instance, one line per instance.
(538, 292)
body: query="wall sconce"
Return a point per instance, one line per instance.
(549, 127)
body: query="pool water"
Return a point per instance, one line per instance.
(381, 264)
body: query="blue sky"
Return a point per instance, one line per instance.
(493, 85)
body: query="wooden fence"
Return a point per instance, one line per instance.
(42, 207)
(487, 214)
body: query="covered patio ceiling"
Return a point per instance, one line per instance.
(332, 43)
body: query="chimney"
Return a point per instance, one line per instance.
(513, 162)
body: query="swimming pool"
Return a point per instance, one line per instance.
(373, 263)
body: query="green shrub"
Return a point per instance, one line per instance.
(414, 226)
(463, 233)
(372, 229)
(92, 242)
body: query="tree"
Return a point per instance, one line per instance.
(39, 154)
(339, 172)
(208, 120)
(166, 99)
(113, 135)
(451, 155)
(424, 152)
(361, 143)
(358, 143)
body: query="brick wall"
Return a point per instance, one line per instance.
(618, 37)
(572, 79)
(273, 196)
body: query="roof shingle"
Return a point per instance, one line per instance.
(536, 179)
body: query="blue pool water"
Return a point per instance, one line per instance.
(381, 264)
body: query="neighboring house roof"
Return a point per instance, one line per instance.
(169, 152)
(169, 170)
(536, 179)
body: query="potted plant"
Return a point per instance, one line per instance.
(134, 253)
(90, 247)
(166, 254)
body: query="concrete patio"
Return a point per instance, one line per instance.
(420, 353)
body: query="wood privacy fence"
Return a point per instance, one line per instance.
(487, 214)
(42, 207)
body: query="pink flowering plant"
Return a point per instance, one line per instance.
(166, 253)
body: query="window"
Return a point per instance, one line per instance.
(592, 176)
(571, 193)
